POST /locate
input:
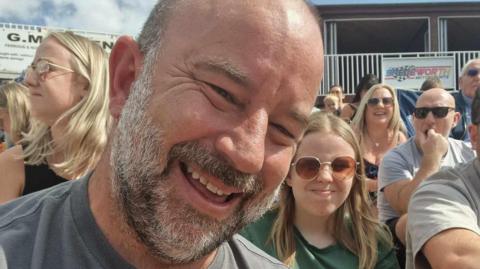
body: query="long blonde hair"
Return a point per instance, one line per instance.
(359, 121)
(14, 98)
(366, 231)
(87, 123)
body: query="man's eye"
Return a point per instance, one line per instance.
(283, 130)
(226, 95)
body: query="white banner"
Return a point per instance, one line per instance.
(411, 72)
(19, 42)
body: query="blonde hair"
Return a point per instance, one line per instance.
(337, 94)
(14, 98)
(87, 123)
(359, 121)
(366, 231)
(333, 98)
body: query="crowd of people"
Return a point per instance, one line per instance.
(196, 146)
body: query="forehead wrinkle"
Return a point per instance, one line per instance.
(226, 68)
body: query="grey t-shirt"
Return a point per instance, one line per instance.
(448, 199)
(403, 162)
(55, 228)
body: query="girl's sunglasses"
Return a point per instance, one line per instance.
(386, 101)
(308, 167)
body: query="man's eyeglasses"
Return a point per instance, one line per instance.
(386, 101)
(43, 67)
(308, 167)
(438, 112)
(472, 72)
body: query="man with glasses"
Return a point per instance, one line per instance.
(444, 213)
(469, 83)
(406, 166)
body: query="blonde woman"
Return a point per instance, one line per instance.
(68, 90)
(14, 112)
(379, 128)
(324, 217)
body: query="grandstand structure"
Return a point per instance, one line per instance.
(402, 42)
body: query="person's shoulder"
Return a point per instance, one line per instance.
(450, 175)
(258, 231)
(13, 173)
(250, 254)
(446, 182)
(460, 145)
(457, 142)
(30, 208)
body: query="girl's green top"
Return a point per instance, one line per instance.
(310, 257)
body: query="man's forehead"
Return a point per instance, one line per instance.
(435, 97)
(475, 64)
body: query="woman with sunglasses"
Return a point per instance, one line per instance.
(68, 93)
(324, 217)
(379, 128)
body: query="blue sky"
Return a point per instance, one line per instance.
(112, 16)
(109, 16)
(357, 2)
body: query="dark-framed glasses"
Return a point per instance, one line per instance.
(386, 101)
(43, 67)
(308, 167)
(472, 72)
(438, 112)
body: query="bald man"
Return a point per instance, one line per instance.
(406, 166)
(444, 216)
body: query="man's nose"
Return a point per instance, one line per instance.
(244, 145)
(430, 117)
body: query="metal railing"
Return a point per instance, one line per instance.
(347, 69)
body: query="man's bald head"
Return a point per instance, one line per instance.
(436, 96)
(149, 39)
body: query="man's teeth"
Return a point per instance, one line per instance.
(206, 183)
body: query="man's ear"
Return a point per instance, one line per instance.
(456, 118)
(125, 63)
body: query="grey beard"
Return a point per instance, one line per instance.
(171, 229)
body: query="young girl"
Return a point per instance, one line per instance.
(324, 217)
